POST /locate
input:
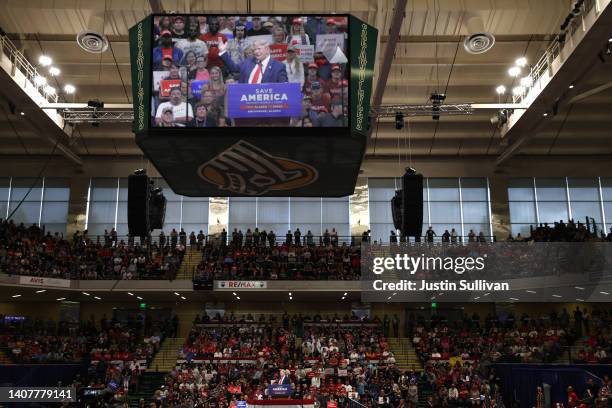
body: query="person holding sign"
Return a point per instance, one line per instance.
(259, 69)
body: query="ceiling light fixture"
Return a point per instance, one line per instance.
(69, 89)
(521, 62)
(45, 60)
(138, 297)
(580, 300)
(97, 298)
(579, 287)
(514, 71)
(531, 291)
(571, 86)
(177, 294)
(22, 113)
(604, 293)
(500, 90)
(557, 296)
(515, 299)
(238, 297)
(130, 293)
(16, 296)
(545, 114)
(234, 293)
(86, 294)
(41, 291)
(183, 297)
(54, 71)
(60, 299)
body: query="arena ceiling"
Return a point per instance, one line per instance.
(428, 56)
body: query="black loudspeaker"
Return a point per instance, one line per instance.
(138, 205)
(412, 204)
(157, 210)
(396, 209)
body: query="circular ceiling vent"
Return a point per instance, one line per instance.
(92, 42)
(479, 43)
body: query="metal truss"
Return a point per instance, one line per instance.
(422, 110)
(92, 115)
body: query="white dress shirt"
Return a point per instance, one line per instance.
(264, 65)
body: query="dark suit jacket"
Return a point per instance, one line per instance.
(274, 72)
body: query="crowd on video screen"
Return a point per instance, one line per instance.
(197, 58)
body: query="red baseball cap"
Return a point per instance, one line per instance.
(335, 66)
(297, 20)
(165, 32)
(313, 65)
(331, 21)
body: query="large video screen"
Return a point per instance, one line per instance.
(246, 71)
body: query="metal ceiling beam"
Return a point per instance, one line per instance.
(399, 13)
(590, 92)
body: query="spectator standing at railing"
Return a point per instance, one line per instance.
(393, 237)
(298, 237)
(481, 237)
(192, 239)
(248, 238)
(263, 238)
(183, 237)
(114, 237)
(430, 234)
(256, 237)
(472, 236)
(271, 238)
(446, 236)
(453, 236)
(326, 237)
(173, 238)
(309, 238)
(288, 238)
(334, 237)
(201, 238)
(162, 239)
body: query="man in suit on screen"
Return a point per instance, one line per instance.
(259, 69)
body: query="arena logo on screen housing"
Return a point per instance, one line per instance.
(246, 169)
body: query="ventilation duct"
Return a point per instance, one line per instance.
(478, 41)
(92, 39)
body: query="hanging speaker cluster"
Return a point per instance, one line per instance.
(146, 205)
(407, 205)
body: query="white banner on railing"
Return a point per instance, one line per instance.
(234, 284)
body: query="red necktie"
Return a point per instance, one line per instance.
(255, 79)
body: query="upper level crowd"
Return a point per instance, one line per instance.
(253, 254)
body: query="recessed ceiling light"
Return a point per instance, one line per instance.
(16, 296)
(530, 291)
(138, 297)
(22, 113)
(290, 294)
(513, 299)
(183, 297)
(580, 300)
(86, 294)
(571, 86)
(98, 298)
(234, 293)
(604, 293)
(521, 62)
(41, 291)
(487, 294)
(476, 298)
(177, 294)
(345, 293)
(389, 298)
(579, 287)
(514, 71)
(238, 297)
(130, 293)
(60, 299)
(545, 114)
(557, 296)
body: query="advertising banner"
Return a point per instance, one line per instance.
(140, 61)
(362, 55)
(230, 284)
(264, 100)
(38, 281)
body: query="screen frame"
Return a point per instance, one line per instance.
(154, 129)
